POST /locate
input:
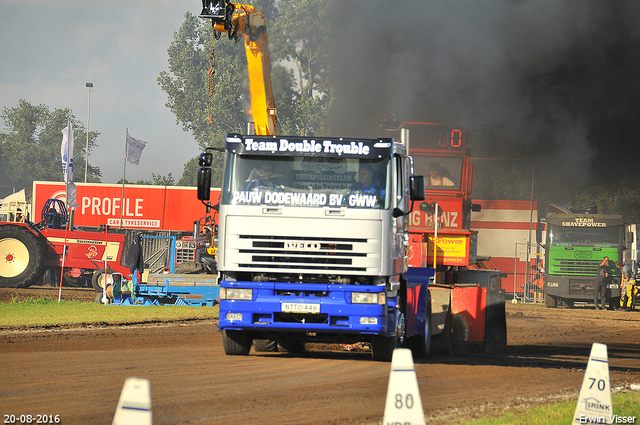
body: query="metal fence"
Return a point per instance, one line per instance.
(528, 276)
(156, 248)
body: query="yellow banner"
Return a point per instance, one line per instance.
(452, 250)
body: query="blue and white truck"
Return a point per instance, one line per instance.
(313, 243)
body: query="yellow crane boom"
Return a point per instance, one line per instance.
(237, 19)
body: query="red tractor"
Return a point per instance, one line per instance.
(29, 249)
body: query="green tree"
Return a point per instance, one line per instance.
(30, 145)
(187, 79)
(186, 87)
(156, 180)
(622, 200)
(301, 35)
(297, 36)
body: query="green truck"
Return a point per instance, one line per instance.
(575, 245)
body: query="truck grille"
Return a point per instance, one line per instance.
(185, 254)
(318, 254)
(576, 267)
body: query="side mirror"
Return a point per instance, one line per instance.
(539, 227)
(205, 159)
(204, 184)
(417, 188)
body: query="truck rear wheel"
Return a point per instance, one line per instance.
(421, 344)
(265, 345)
(236, 343)
(21, 257)
(291, 347)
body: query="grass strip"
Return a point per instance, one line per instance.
(625, 406)
(46, 311)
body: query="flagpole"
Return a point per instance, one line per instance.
(66, 178)
(124, 172)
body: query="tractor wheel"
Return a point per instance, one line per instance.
(76, 282)
(22, 257)
(97, 281)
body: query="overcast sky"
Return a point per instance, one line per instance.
(51, 49)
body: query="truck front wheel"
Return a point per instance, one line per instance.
(550, 301)
(21, 257)
(382, 347)
(236, 343)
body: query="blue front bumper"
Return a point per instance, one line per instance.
(336, 314)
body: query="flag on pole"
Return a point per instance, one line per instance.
(66, 152)
(134, 149)
(71, 195)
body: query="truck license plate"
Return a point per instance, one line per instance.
(300, 308)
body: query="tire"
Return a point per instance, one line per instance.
(550, 301)
(98, 278)
(236, 343)
(265, 345)
(22, 257)
(291, 347)
(421, 344)
(614, 303)
(382, 347)
(51, 277)
(76, 282)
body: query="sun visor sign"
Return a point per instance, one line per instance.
(305, 146)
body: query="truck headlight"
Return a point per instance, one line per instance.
(236, 294)
(368, 320)
(368, 298)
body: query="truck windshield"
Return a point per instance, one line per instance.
(307, 181)
(559, 235)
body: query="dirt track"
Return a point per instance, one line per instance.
(78, 373)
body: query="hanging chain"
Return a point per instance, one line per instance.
(211, 81)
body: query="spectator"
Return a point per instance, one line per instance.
(599, 285)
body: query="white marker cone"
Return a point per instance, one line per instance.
(134, 407)
(594, 403)
(403, 405)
